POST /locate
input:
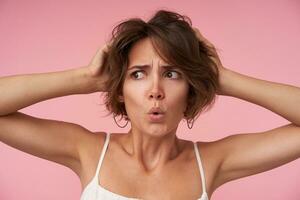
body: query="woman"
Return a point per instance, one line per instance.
(154, 74)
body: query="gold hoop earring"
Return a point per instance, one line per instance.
(119, 120)
(190, 123)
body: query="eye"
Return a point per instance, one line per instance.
(175, 74)
(136, 74)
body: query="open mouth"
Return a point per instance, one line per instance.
(156, 117)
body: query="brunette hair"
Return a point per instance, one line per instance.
(173, 38)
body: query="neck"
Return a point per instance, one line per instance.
(153, 152)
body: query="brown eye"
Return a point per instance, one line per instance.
(136, 74)
(172, 74)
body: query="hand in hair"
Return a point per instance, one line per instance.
(97, 65)
(213, 51)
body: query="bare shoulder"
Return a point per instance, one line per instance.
(89, 148)
(58, 141)
(89, 145)
(212, 156)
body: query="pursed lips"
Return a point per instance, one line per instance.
(156, 114)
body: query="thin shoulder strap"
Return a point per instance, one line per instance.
(200, 167)
(102, 154)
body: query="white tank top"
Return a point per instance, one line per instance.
(94, 191)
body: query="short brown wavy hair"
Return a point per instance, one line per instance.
(173, 38)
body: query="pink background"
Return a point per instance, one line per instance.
(257, 38)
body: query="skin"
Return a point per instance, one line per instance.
(153, 144)
(240, 155)
(150, 153)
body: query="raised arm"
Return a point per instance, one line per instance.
(252, 153)
(49, 139)
(20, 91)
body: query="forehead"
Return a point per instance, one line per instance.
(143, 52)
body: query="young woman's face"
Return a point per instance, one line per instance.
(152, 83)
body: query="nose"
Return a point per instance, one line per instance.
(156, 95)
(156, 91)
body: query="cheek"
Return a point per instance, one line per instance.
(178, 98)
(133, 97)
(132, 92)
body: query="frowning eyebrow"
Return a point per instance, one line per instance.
(148, 66)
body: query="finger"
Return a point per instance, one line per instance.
(202, 38)
(198, 34)
(107, 45)
(105, 48)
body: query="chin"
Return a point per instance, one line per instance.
(158, 130)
